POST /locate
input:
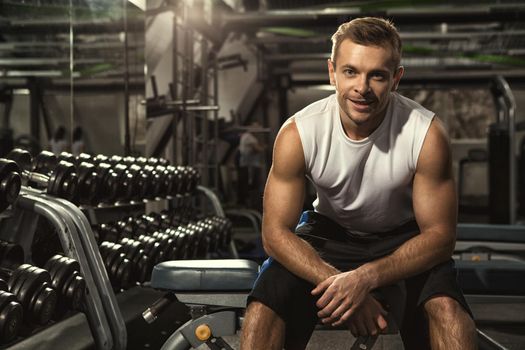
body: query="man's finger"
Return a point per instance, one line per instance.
(325, 298)
(327, 311)
(323, 285)
(370, 324)
(346, 316)
(381, 323)
(337, 313)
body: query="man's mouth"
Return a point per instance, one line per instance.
(361, 102)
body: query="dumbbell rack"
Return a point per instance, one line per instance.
(103, 314)
(105, 319)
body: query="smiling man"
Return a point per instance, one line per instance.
(385, 211)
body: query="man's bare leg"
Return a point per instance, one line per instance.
(262, 328)
(450, 326)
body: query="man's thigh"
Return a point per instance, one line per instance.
(289, 297)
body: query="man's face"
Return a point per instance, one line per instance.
(363, 77)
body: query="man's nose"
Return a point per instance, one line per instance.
(362, 85)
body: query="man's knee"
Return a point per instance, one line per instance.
(444, 308)
(257, 312)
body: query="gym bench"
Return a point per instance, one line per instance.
(216, 292)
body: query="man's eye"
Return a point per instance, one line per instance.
(378, 76)
(349, 72)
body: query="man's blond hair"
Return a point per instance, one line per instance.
(369, 31)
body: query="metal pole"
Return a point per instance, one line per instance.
(511, 120)
(127, 144)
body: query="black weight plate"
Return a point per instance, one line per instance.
(17, 278)
(68, 157)
(66, 267)
(123, 273)
(76, 291)
(44, 162)
(11, 315)
(88, 183)
(69, 183)
(26, 285)
(43, 305)
(51, 266)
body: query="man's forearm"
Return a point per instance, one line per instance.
(416, 255)
(299, 257)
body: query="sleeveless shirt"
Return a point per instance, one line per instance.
(366, 185)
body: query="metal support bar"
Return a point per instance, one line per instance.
(107, 297)
(94, 260)
(70, 241)
(219, 212)
(510, 104)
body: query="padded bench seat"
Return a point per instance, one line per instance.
(491, 277)
(205, 275)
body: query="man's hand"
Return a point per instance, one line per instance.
(341, 295)
(368, 319)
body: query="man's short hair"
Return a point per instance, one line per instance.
(369, 31)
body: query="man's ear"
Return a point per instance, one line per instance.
(397, 77)
(331, 71)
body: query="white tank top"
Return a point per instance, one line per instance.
(365, 185)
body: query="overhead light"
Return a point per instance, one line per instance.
(141, 4)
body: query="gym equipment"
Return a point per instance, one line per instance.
(77, 240)
(134, 251)
(63, 179)
(119, 267)
(10, 183)
(30, 284)
(11, 314)
(216, 292)
(66, 280)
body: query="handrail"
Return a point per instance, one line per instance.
(219, 212)
(510, 105)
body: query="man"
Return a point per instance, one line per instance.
(385, 210)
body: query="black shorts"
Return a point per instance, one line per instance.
(289, 296)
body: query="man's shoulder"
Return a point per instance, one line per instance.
(315, 109)
(410, 107)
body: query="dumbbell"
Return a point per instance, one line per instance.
(134, 251)
(63, 179)
(68, 157)
(224, 227)
(119, 267)
(43, 163)
(11, 314)
(10, 183)
(110, 189)
(30, 284)
(67, 281)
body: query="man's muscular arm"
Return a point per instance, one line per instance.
(283, 202)
(435, 208)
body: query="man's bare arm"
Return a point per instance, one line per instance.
(435, 208)
(283, 202)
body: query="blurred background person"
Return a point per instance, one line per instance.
(78, 145)
(58, 142)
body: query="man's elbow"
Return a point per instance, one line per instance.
(448, 247)
(267, 245)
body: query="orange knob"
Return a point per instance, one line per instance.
(203, 332)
